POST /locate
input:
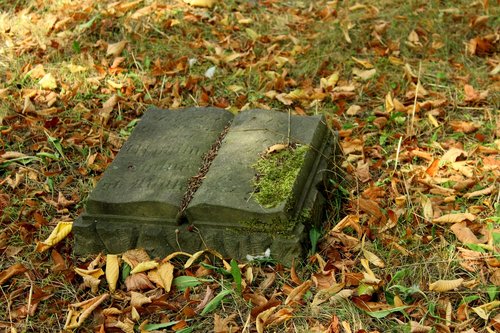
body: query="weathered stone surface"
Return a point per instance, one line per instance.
(136, 202)
(224, 200)
(148, 178)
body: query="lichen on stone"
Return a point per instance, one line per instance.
(275, 174)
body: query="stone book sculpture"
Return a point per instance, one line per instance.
(186, 180)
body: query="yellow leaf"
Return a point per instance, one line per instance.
(116, 48)
(112, 271)
(330, 81)
(61, 230)
(373, 258)
(365, 63)
(193, 258)
(48, 81)
(445, 285)
(252, 34)
(95, 272)
(144, 266)
(364, 75)
(389, 103)
(175, 254)
(432, 120)
(484, 310)
(114, 85)
(164, 276)
(76, 68)
(201, 3)
(454, 218)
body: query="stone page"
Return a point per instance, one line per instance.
(149, 176)
(140, 192)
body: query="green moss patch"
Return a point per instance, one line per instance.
(275, 174)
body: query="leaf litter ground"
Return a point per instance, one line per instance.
(411, 87)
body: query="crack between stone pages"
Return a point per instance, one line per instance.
(195, 182)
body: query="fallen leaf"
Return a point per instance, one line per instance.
(298, 292)
(15, 269)
(58, 234)
(484, 191)
(463, 233)
(76, 318)
(112, 271)
(365, 63)
(48, 82)
(364, 74)
(353, 110)
(484, 310)
(137, 300)
(454, 218)
(445, 285)
(373, 258)
(464, 126)
(116, 48)
(144, 266)
(201, 3)
(136, 256)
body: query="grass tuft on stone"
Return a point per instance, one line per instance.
(275, 174)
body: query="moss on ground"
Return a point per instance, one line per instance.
(276, 174)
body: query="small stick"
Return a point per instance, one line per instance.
(410, 129)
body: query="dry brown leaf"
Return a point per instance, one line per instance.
(225, 325)
(364, 74)
(416, 327)
(260, 321)
(15, 269)
(485, 191)
(452, 155)
(60, 232)
(445, 285)
(138, 281)
(112, 271)
(454, 218)
(116, 48)
(76, 318)
(373, 258)
(127, 326)
(137, 300)
(428, 211)
(135, 256)
(276, 148)
(353, 110)
(297, 292)
(464, 126)
(464, 234)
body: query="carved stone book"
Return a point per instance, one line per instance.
(187, 180)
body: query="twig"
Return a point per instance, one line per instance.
(29, 301)
(409, 132)
(397, 154)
